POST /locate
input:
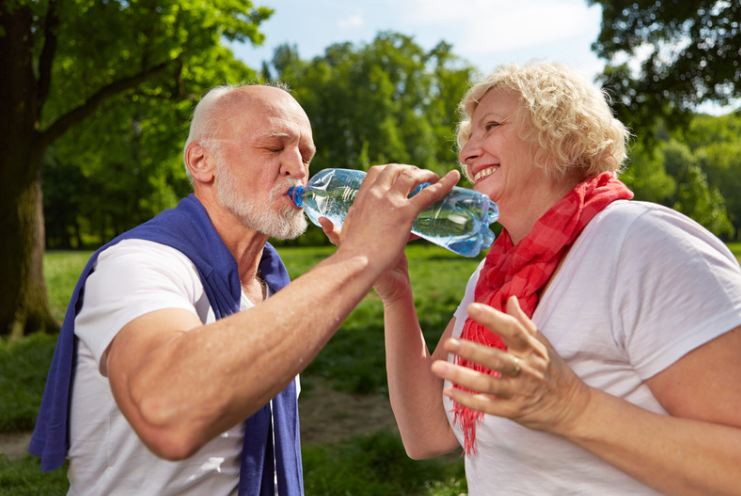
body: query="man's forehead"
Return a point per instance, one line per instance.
(269, 101)
(260, 117)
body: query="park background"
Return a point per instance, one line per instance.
(97, 96)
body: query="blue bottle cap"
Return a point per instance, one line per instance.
(297, 195)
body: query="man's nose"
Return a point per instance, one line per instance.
(294, 165)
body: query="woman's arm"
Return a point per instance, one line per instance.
(415, 392)
(694, 451)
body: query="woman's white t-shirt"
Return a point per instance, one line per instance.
(642, 286)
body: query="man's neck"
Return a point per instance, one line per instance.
(245, 244)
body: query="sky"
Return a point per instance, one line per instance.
(484, 32)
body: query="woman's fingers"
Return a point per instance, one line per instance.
(513, 329)
(331, 231)
(507, 364)
(482, 392)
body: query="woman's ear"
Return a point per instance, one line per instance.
(199, 162)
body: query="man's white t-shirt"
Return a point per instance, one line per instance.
(642, 286)
(130, 279)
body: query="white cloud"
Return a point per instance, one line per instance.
(486, 26)
(351, 22)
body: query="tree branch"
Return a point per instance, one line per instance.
(51, 31)
(78, 114)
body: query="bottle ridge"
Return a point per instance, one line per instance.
(458, 222)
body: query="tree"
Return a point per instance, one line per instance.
(716, 142)
(646, 176)
(61, 63)
(694, 196)
(386, 101)
(689, 53)
(672, 174)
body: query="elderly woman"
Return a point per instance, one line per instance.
(597, 349)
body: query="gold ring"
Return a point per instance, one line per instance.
(515, 371)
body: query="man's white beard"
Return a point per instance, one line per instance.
(287, 223)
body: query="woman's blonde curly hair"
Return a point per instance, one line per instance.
(567, 120)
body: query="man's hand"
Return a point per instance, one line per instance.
(381, 218)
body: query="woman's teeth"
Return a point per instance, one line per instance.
(483, 173)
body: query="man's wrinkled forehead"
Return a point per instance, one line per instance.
(265, 112)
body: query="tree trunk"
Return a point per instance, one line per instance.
(24, 304)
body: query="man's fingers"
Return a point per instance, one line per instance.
(405, 178)
(437, 190)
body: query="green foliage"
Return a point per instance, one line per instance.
(691, 175)
(695, 197)
(716, 142)
(122, 165)
(386, 101)
(24, 364)
(688, 54)
(376, 465)
(646, 176)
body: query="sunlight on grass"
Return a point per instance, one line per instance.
(735, 249)
(61, 271)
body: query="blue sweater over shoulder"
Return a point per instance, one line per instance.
(188, 229)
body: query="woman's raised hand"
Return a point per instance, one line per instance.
(535, 388)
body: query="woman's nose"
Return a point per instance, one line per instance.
(470, 152)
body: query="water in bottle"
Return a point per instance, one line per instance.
(459, 221)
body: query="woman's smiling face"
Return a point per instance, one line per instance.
(497, 159)
(500, 161)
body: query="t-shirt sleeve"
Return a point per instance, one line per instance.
(677, 287)
(130, 279)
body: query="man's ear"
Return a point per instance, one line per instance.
(199, 162)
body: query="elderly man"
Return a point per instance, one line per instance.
(176, 370)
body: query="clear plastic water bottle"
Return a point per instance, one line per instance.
(459, 221)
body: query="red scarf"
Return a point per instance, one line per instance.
(523, 269)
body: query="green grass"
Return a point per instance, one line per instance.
(61, 271)
(376, 465)
(353, 361)
(24, 364)
(24, 478)
(735, 249)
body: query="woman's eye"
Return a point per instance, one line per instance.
(491, 125)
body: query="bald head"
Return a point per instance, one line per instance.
(214, 115)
